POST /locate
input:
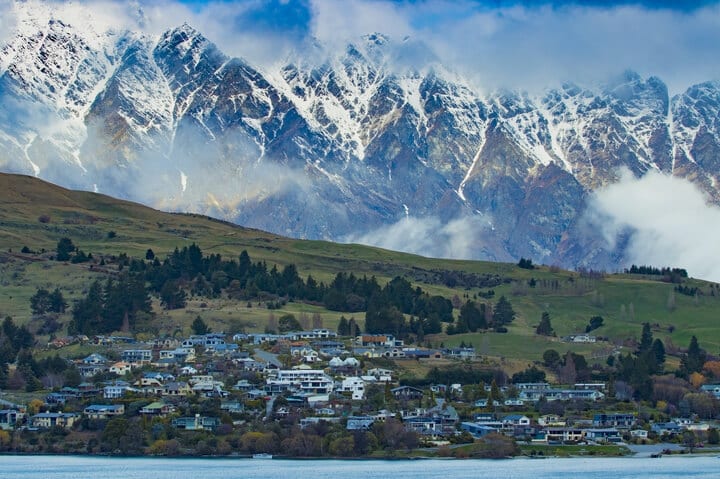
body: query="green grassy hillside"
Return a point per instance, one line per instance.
(37, 214)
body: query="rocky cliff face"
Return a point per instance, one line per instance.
(338, 148)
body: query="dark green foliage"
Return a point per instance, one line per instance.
(15, 344)
(503, 313)
(122, 436)
(115, 307)
(688, 290)
(545, 328)
(658, 349)
(693, 360)
(595, 323)
(81, 257)
(343, 327)
(529, 375)
(526, 263)
(43, 302)
(472, 317)
(199, 326)
(172, 296)
(149, 254)
(669, 275)
(64, 247)
(551, 358)
(646, 339)
(458, 374)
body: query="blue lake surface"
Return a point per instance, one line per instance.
(78, 467)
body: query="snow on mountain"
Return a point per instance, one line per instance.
(335, 147)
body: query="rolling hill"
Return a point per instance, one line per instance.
(36, 214)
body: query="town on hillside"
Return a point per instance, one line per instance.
(104, 383)
(314, 393)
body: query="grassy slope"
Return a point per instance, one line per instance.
(87, 218)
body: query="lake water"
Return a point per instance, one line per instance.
(78, 467)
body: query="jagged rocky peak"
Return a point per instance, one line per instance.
(336, 143)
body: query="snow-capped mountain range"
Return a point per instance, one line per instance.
(341, 148)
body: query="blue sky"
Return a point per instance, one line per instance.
(295, 16)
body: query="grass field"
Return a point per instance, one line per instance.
(37, 214)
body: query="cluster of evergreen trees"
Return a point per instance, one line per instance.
(15, 343)
(116, 306)
(671, 275)
(648, 360)
(118, 303)
(476, 316)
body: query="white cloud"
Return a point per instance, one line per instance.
(7, 20)
(458, 239)
(670, 221)
(335, 23)
(536, 47)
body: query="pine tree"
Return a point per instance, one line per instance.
(658, 349)
(199, 326)
(64, 247)
(545, 328)
(694, 359)
(646, 339)
(343, 328)
(503, 313)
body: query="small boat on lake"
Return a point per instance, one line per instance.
(262, 455)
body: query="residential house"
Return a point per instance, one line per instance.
(551, 420)
(197, 423)
(666, 428)
(459, 353)
(563, 434)
(54, 419)
(303, 380)
(375, 340)
(515, 420)
(477, 430)
(580, 338)
(157, 408)
(380, 375)
(421, 353)
(353, 385)
(232, 406)
(137, 356)
(618, 420)
(603, 435)
(116, 390)
(359, 423)
(104, 411)
(10, 418)
(95, 358)
(121, 368)
(90, 370)
(176, 388)
(407, 393)
(425, 426)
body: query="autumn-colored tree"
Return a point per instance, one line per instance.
(712, 368)
(697, 380)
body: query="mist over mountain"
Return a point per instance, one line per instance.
(375, 142)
